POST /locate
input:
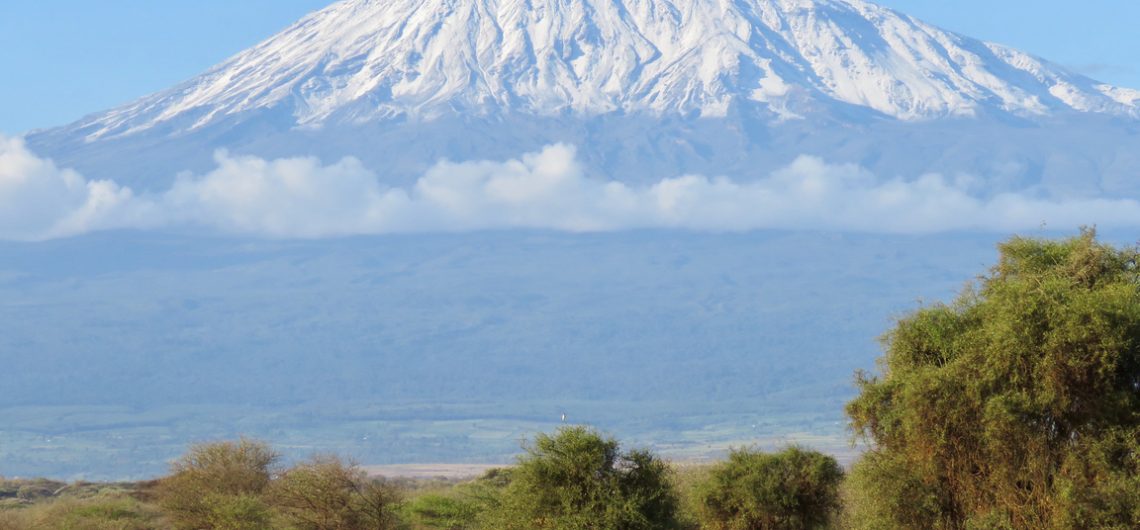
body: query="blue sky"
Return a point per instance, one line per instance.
(63, 59)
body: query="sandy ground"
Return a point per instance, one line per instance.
(681, 455)
(428, 471)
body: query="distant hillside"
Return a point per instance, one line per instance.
(443, 348)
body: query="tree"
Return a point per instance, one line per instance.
(327, 494)
(219, 486)
(578, 480)
(1016, 406)
(795, 489)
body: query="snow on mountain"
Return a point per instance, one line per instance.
(644, 89)
(368, 60)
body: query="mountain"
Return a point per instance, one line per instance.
(374, 60)
(124, 346)
(645, 88)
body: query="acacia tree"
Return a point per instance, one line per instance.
(1016, 406)
(578, 480)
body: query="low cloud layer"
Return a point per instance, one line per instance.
(41, 201)
(302, 198)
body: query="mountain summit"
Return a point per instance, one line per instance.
(731, 86)
(367, 60)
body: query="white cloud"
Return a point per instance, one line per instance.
(302, 198)
(295, 197)
(41, 201)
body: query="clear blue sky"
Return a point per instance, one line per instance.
(62, 59)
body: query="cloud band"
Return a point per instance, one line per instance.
(302, 198)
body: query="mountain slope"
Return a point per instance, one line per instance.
(366, 60)
(645, 89)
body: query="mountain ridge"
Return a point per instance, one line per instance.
(364, 60)
(646, 89)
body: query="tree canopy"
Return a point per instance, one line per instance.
(795, 489)
(576, 479)
(1015, 406)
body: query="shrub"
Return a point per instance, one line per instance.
(100, 513)
(218, 485)
(462, 506)
(35, 491)
(792, 490)
(327, 494)
(576, 479)
(242, 511)
(1017, 406)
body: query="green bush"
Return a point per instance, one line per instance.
(219, 486)
(459, 507)
(1017, 406)
(792, 490)
(243, 511)
(576, 479)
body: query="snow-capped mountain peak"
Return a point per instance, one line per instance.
(367, 60)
